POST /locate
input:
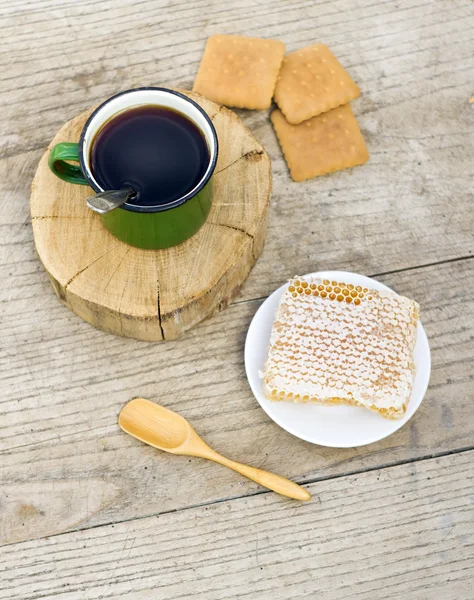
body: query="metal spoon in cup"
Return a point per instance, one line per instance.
(104, 202)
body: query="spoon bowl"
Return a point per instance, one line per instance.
(155, 425)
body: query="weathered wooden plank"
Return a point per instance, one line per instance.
(65, 459)
(64, 464)
(409, 205)
(402, 532)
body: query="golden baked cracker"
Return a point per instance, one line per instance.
(239, 71)
(312, 81)
(326, 143)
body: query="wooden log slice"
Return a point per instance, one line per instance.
(155, 295)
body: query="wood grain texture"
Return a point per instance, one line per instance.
(71, 394)
(64, 465)
(402, 532)
(155, 295)
(408, 206)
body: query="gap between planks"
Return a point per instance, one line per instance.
(309, 481)
(383, 273)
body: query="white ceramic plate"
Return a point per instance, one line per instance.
(335, 426)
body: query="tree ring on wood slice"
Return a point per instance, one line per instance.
(155, 295)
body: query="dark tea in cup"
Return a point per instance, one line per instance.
(155, 150)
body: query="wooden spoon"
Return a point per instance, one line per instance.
(168, 431)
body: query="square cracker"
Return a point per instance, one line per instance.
(239, 71)
(326, 143)
(312, 81)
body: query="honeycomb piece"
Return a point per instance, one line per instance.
(330, 347)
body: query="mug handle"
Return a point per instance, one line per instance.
(58, 165)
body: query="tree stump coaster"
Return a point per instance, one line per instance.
(155, 295)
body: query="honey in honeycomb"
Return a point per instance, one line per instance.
(338, 343)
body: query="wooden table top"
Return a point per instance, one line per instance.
(87, 512)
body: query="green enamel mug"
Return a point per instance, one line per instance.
(151, 226)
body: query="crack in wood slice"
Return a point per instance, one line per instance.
(87, 266)
(253, 155)
(40, 218)
(158, 304)
(232, 227)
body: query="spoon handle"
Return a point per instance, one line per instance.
(278, 484)
(104, 202)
